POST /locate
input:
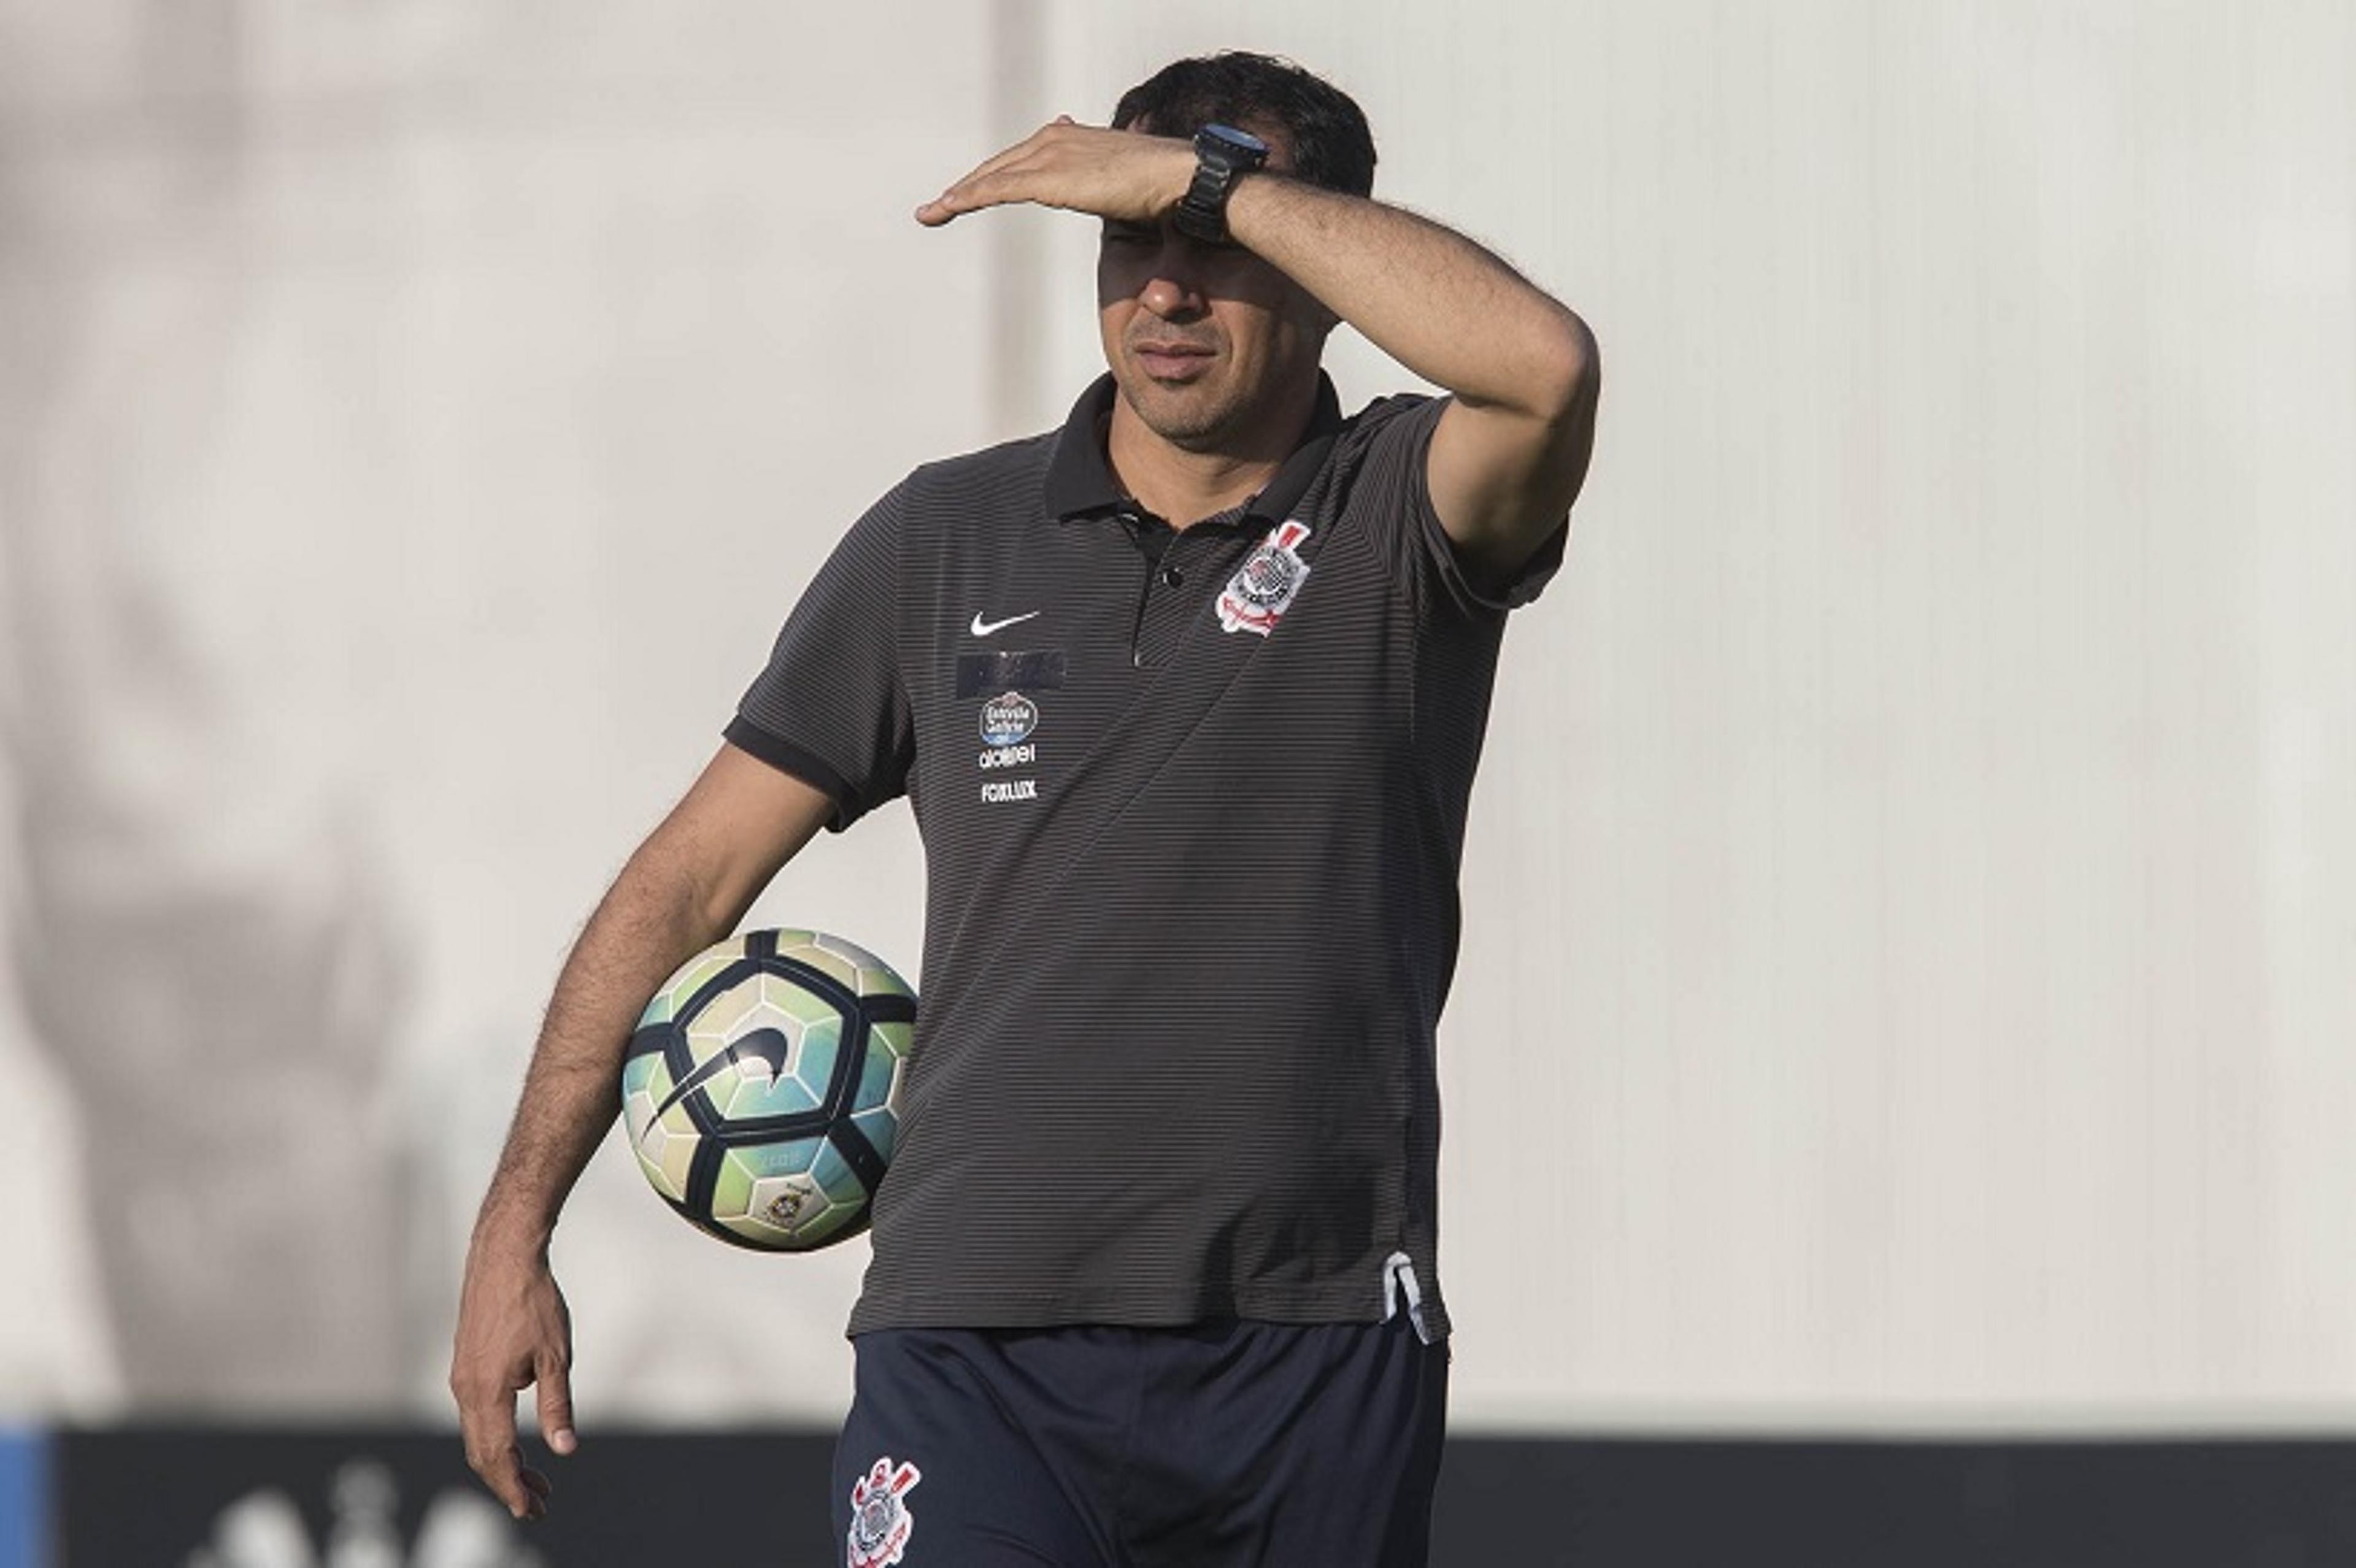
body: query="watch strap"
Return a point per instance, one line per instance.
(1221, 157)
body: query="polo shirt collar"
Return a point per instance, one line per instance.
(1079, 476)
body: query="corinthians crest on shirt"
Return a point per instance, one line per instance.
(1264, 587)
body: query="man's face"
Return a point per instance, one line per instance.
(1204, 341)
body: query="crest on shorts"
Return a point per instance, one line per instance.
(1263, 587)
(880, 1520)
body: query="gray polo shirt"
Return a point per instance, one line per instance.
(1192, 804)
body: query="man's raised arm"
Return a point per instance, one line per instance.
(1510, 453)
(686, 887)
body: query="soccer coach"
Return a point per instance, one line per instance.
(1188, 697)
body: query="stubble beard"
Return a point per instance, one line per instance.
(1193, 418)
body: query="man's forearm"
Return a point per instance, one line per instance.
(650, 922)
(1426, 295)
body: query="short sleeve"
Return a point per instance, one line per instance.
(1393, 492)
(831, 708)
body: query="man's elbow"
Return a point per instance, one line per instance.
(1566, 371)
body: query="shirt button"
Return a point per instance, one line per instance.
(1171, 577)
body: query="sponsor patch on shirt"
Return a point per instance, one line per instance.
(1029, 669)
(1008, 719)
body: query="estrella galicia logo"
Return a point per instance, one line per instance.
(1008, 719)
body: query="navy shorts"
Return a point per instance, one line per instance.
(1216, 1446)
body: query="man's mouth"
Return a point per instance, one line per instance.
(1173, 361)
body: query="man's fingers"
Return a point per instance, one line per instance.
(488, 1427)
(495, 1455)
(992, 165)
(979, 189)
(1076, 167)
(527, 1497)
(555, 1382)
(966, 194)
(513, 1332)
(522, 1489)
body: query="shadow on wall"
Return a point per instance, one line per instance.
(202, 942)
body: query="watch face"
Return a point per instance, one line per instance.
(1241, 145)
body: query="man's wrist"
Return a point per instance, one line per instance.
(1222, 157)
(1264, 203)
(513, 1231)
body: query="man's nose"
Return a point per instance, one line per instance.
(1174, 292)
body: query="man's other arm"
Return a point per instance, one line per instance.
(686, 887)
(1511, 453)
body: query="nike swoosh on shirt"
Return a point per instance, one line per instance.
(982, 628)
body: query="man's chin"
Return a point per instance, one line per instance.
(1184, 415)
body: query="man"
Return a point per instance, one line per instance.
(1188, 697)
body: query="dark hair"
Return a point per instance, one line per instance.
(1331, 144)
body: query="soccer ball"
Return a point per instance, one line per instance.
(762, 1087)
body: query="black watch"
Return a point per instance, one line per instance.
(1222, 154)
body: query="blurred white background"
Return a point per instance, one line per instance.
(1910, 975)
